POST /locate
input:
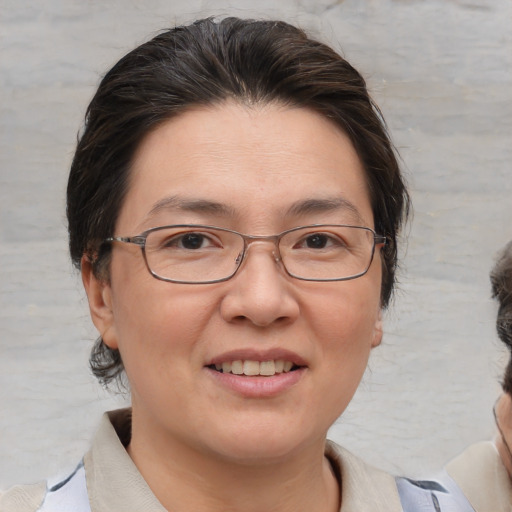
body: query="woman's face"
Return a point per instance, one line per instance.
(257, 170)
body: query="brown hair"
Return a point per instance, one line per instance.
(206, 63)
(501, 282)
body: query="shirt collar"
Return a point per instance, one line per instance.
(114, 482)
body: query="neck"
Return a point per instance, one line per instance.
(185, 478)
(503, 414)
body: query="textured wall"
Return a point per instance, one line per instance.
(442, 73)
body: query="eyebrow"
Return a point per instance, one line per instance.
(315, 206)
(191, 205)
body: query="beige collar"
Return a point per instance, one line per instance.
(114, 483)
(363, 487)
(113, 480)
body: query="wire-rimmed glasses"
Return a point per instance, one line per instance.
(199, 254)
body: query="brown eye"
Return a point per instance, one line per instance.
(192, 241)
(316, 241)
(188, 241)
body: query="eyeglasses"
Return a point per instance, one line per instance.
(195, 254)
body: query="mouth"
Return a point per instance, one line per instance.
(253, 368)
(257, 374)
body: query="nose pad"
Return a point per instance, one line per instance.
(243, 255)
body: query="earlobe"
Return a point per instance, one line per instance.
(99, 295)
(377, 331)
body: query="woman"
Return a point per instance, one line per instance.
(234, 205)
(484, 470)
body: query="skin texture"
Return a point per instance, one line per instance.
(200, 444)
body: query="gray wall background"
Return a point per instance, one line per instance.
(441, 71)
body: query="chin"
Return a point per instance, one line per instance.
(258, 455)
(254, 443)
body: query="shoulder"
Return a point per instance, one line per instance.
(23, 498)
(71, 492)
(436, 495)
(61, 495)
(366, 488)
(482, 477)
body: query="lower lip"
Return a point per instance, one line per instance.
(258, 386)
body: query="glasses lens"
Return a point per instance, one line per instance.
(327, 252)
(196, 254)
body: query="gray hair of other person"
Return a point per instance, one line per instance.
(501, 281)
(206, 63)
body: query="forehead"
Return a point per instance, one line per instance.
(242, 162)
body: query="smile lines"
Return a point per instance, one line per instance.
(252, 368)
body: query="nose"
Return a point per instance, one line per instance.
(260, 292)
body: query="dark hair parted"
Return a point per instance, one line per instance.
(501, 282)
(207, 63)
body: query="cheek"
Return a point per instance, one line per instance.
(158, 323)
(345, 341)
(344, 328)
(346, 317)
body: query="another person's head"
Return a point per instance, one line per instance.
(252, 127)
(501, 281)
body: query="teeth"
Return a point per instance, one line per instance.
(237, 367)
(267, 368)
(250, 367)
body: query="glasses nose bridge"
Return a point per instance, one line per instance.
(255, 239)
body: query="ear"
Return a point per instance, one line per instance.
(99, 295)
(377, 330)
